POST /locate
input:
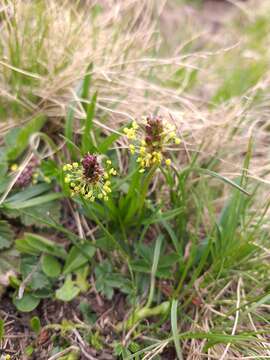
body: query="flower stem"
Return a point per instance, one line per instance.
(145, 186)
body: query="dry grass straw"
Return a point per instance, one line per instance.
(46, 47)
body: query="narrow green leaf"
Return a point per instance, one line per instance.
(2, 329)
(86, 84)
(35, 244)
(154, 269)
(33, 202)
(224, 179)
(104, 146)
(69, 127)
(175, 330)
(28, 193)
(163, 216)
(75, 149)
(86, 137)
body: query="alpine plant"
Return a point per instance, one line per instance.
(88, 178)
(151, 140)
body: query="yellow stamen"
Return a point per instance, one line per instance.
(14, 167)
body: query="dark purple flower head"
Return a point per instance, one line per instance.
(26, 176)
(151, 141)
(154, 130)
(88, 178)
(91, 168)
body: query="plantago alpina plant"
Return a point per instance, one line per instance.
(151, 141)
(88, 178)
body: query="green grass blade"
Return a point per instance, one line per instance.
(86, 84)
(154, 270)
(223, 178)
(2, 329)
(33, 202)
(87, 144)
(175, 330)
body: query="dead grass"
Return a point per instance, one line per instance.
(44, 57)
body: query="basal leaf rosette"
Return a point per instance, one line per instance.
(151, 141)
(88, 178)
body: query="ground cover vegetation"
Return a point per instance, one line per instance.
(134, 176)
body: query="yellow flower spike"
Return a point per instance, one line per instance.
(177, 141)
(143, 143)
(135, 125)
(142, 150)
(47, 180)
(132, 149)
(106, 198)
(87, 178)
(112, 171)
(107, 189)
(14, 167)
(141, 171)
(168, 162)
(130, 133)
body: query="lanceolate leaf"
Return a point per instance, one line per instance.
(35, 244)
(33, 202)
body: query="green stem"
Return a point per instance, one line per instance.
(144, 313)
(145, 187)
(124, 254)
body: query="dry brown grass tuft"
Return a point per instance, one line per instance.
(47, 46)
